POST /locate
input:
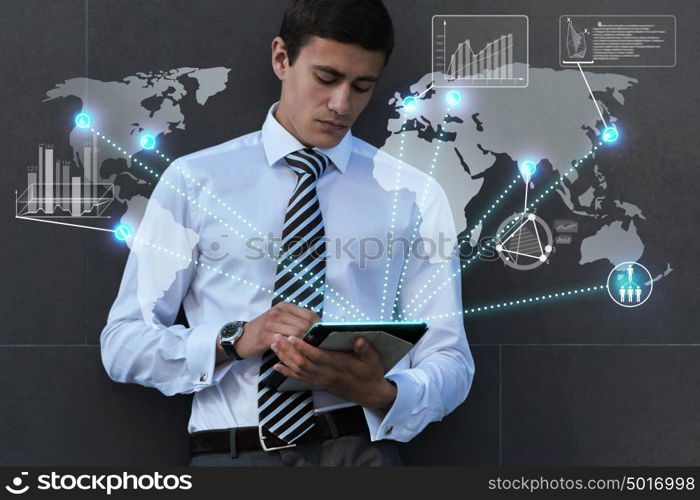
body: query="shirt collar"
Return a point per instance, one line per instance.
(278, 143)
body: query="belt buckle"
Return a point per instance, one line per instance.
(262, 439)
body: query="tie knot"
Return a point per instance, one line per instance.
(308, 161)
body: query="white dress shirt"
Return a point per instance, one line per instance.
(193, 247)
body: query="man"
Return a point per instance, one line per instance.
(305, 180)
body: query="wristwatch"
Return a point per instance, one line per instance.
(229, 335)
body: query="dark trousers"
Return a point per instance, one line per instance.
(351, 449)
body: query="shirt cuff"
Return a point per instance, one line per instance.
(200, 356)
(397, 423)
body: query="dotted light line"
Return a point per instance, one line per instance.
(228, 226)
(415, 226)
(393, 223)
(508, 304)
(554, 184)
(120, 149)
(494, 204)
(176, 166)
(232, 276)
(459, 243)
(534, 203)
(327, 288)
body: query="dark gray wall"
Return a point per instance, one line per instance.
(571, 384)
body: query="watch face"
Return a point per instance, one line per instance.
(231, 331)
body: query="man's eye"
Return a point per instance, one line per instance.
(325, 82)
(362, 90)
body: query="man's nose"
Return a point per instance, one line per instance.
(339, 101)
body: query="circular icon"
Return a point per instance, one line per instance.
(122, 232)
(610, 134)
(410, 104)
(148, 141)
(453, 98)
(630, 284)
(82, 120)
(528, 168)
(524, 241)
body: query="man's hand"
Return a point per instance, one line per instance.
(357, 376)
(284, 319)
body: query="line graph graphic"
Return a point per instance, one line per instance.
(494, 61)
(565, 226)
(480, 51)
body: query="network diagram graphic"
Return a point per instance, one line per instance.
(56, 194)
(527, 244)
(576, 45)
(525, 240)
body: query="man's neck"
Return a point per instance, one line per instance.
(281, 116)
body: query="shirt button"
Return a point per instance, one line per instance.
(388, 430)
(203, 376)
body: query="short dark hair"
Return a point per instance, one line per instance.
(363, 22)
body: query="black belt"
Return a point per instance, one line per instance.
(329, 425)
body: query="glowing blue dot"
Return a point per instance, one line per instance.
(453, 98)
(528, 168)
(122, 232)
(410, 104)
(82, 120)
(610, 135)
(148, 141)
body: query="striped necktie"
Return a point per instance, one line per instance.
(300, 279)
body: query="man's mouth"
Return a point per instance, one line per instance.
(333, 125)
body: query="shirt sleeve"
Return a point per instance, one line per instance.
(440, 366)
(140, 344)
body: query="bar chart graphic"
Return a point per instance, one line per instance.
(54, 192)
(480, 51)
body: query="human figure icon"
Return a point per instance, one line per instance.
(629, 284)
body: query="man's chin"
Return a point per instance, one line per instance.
(327, 140)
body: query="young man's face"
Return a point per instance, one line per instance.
(325, 90)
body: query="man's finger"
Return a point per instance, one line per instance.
(291, 357)
(364, 349)
(299, 325)
(287, 372)
(283, 370)
(300, 312)
(283, 329)
(313, 353)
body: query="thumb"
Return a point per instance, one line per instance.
(360, 346)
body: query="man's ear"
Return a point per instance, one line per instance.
(279, 57)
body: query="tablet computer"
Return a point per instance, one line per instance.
(391, 340)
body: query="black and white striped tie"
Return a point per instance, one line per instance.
(300, 279)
